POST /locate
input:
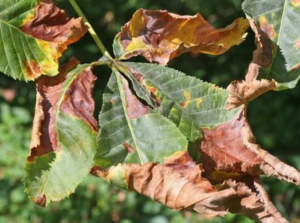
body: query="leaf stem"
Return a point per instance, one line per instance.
(91, 30)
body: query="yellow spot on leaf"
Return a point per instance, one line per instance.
(266, 27)
(199, 101)
(296, 3)
(187, 95)
(297, 44)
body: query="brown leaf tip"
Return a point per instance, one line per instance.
(41, 200)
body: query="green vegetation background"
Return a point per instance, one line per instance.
(274, 118)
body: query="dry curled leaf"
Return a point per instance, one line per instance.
(179, 184)
(231, 147)
(160, 36)
(241, 92)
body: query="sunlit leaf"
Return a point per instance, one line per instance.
(131, 132)
(189, 102)
(160, 36)
(33, 37)
(63, 140)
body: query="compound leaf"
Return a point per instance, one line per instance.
(189, 102)
(131, 132)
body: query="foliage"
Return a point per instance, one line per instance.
(143, 100)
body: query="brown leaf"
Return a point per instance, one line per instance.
(160, 36)
(179, 184)
(78, 102)
(52, 25)
(240, 92)
(231, 147)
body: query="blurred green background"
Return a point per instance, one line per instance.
(274, 118)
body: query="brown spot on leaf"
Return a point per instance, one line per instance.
(128, 147)
(266, 27)
(32, 69)
(134, 107)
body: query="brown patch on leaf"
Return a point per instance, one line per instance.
(51, 24)
(134, 107)
(266, 27)
(32, 69)
(160, 36)
(241, 92)
(223, 148)
(77, 102)
(231, 147)
(128, 147)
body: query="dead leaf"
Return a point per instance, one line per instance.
(179, 184)
(160, 36)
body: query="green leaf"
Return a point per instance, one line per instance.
(64, 135)
(279, 19)
(132, 133)
(189, 102)
(31, 41)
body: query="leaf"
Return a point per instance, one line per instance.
(33, 37)
(231, 147)
(189, 102)
(131, 132)
(279, 21)
(243, 91)
(179, 184)
(160, 36)
(63, 140)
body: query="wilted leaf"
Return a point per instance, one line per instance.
(64, 134)
(131, 132)
(278, 23)
(33, 36)
(179, 184)
(240, 92)
(231, 147)
(160, 36)
(189, 102)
